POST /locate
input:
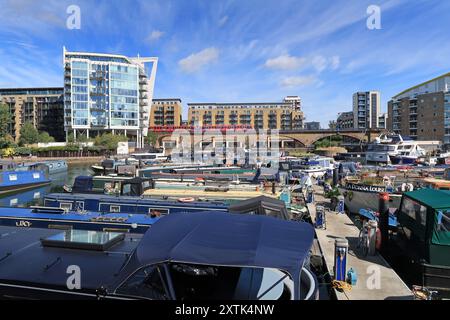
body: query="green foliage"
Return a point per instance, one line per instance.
(44, 137)
(70, 138)
(7, 142)
(5, 120)
(332, 193)
(23, 151)
(28, 134)
(109, 141)
(152, 138)
(334, 141)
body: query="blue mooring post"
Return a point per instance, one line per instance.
(340, 259)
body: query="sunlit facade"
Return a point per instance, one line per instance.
(108, 93)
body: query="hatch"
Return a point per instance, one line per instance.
(83, 239)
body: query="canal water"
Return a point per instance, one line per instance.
(35, 196)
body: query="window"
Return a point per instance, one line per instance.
(36, 175)
(67, 206)
(114, 209)
(415, 211)
(443, 221)
(156, 212)
(145, 283)
(13, 177)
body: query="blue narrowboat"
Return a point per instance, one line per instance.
(54, 166)
(127, 204)
(22, 179)
(55, 218)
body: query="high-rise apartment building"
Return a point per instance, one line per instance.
(286, 115)
(43, 107)
(166, 112)
(366, 109)
(423, 111)
(108, 93)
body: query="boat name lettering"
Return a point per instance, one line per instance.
(363, 187)
(23, 223)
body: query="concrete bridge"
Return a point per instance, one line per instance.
(288, 139)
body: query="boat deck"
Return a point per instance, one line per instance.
(188, 193)
(391, 286)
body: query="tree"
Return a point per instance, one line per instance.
(152, 138)
(28, 134)
(109, 140)
(44, 137)
(332, 125)
(5, 120)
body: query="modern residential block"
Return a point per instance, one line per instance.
(108, 93)
(166, 112)
(423, 111)
(345, 120)
(286, 115)
(366, 109)
(43, 107)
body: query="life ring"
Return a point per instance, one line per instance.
(186, 199)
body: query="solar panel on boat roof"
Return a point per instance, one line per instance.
(83, 239)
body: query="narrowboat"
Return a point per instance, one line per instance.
(56, 218)
(182, 257)
(22, 179)
(127, 204)
(423, 238)
(54, 166)
(361, 195)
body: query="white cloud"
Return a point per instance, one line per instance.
(285, 62)
(291, 82)
(318, 62)
(155, 35)
(335, 62)
(223, 20)
(196, 61)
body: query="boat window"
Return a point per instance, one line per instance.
(415, 211)
(83, 239)
(13, 177)
(65, 205)
(443, 222)
(114, 208)
(157, 212)
(145, 283)
(36, 175)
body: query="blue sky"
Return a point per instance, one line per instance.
(244, 50)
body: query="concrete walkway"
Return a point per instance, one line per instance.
(376, 280)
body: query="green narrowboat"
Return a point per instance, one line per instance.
(424, 236)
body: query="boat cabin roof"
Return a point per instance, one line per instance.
(224, 239)
(436, 199)
(30, 261)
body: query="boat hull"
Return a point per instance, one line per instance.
(356, 200)
(4, 190)
(403, 160)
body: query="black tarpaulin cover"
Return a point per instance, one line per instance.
(225, 239)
